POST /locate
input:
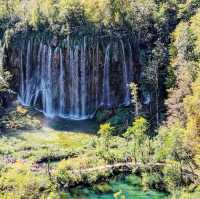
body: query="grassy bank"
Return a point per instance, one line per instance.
(25, 156)
(38, 163)
(42, 163)
(59, 157)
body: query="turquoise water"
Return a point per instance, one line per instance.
(116, 189)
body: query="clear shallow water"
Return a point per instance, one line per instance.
(116, 189)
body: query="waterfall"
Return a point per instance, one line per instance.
(125, 77)
(1, 54)
(97, 76)
(131, 77)
(38, 74)
(48, 97)
(71, 96)
(43, 75)
(27, 99)
(83, 79)
(46, 81)
(75, 80)
(106, 78)
(21, 77)
(61, 83)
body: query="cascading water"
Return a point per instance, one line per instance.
(62, 88)
(97, 77)
(43, 78)
(21, 74)
(106, 79)
(46, 81)
(130, 69)
(125, 77)
(48, 92)
(75, 80)
(27, 96)
(83, 79)
(38, 74)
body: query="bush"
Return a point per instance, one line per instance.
(103, 115)
(119, 118)
(21, 182)
(19, 119)
(172, 176)
(71, 172)
(152, 181)
(105, 133)
(185, 195)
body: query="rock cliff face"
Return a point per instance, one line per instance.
(75, 77)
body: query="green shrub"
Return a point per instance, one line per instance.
(119, 118)
(105, 133)
(185, 195)
(152, 181)
(21, 182)
(20, 119)
(103, 115)
(172, 175)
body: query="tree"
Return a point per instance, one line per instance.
(153, 74)
(95, 11)
(105, 133)
(4, 75)
(170, 147)
(185, 67)
(135, 100)
(137, 134)
(192, 107)
(169, 142)
(72, 12)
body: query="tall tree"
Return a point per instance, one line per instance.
(153, 72)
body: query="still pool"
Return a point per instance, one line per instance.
(126, 188)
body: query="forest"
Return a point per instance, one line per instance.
(99, 99)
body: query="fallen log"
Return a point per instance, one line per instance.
(119, 166)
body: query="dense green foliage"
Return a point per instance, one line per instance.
(178, 140)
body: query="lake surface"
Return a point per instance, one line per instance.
(115, 189)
